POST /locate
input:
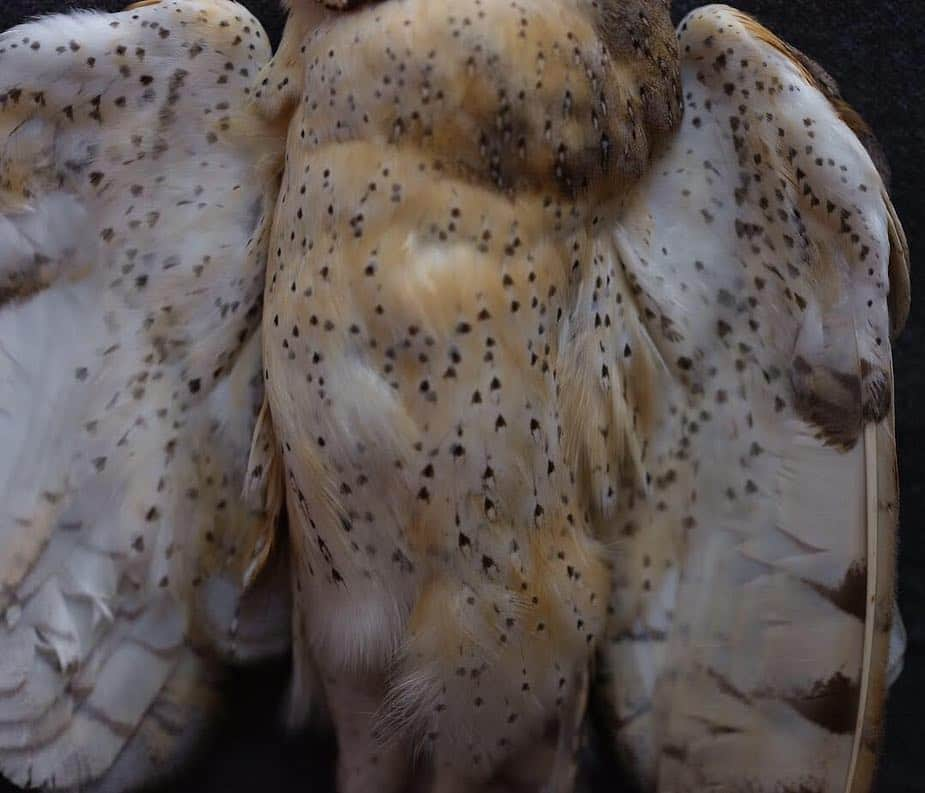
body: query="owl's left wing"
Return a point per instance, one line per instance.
(137, 182)
(754, 577)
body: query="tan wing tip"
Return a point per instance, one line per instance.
(142, 4)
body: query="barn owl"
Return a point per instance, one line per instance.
(577, 392)
(576, 344)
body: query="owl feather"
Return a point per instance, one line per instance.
(136, 189)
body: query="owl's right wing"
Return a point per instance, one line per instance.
(136, 186)
(750, 640)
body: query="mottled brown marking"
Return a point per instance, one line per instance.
(828, 400)
(645, 28)
(21, 287)
(851, 596)
(877, 393)
(832, 704)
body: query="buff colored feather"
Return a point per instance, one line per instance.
(432, 243)
(528, 341)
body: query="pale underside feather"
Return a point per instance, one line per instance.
(136, 182)
(765, 237)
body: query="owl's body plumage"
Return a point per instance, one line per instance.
(432, 233)
(575, 345)
(523, 361)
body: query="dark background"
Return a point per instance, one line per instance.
(874, 49)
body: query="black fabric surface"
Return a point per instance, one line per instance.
(874, 49)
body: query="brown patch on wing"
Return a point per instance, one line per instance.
(641, 34)
(832, 704)
(20, 287)
(828, 400)
(840, 403)
(851, 596)
(876, 393)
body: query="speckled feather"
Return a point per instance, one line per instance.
(753, 590)
(136, 185)
(552, 375)
(532, 344)
(437, 208)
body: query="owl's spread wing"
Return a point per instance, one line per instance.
(752, 610)
(136, 183)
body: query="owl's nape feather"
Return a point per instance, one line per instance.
(753, 600)
(136, 188)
